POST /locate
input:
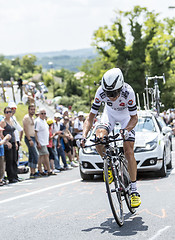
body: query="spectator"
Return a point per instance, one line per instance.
(58, 146)
(56, 129)
(78, 130)
(50, 146)
(31, 99)
(10, 147)
(170, 117)
(67, 139)
(2, 162)
(20, 84)
(42, 139)
(28, 124)
(18, 128)
(36, 114)
(165, 117)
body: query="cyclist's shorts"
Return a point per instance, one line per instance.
(108, 121)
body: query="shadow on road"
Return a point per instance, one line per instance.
(147, 176)
(132, 226)
(141, 176)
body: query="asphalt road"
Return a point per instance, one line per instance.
(65, 207)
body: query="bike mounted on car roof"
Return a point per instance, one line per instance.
(116, 176)
(155, 92)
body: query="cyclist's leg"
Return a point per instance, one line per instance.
(105, 126)
(100, 133)
(128, 147)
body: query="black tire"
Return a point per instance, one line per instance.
(126, 182)
(169, 165)
(86, 176)
(114, 196)
(128, 202)
(162, 171)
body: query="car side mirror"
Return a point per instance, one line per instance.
(166, 130)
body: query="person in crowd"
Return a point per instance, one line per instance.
(165, 117)
(37, 98)
(171, 116)
(11, 147)
(58, 145)
(42, 140)
(2, 162)
(67, 140)
(56, 129)
(18, 129)
(29, 130)
(31, 99)
(78, 130)
(50, 146)
(37, 113)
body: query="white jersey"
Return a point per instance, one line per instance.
(125, 103)
(116, 111)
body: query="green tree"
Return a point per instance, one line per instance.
(72, 86)
(27, 63)
(147, 50)
(5, 69)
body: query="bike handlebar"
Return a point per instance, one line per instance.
(105, 141)
(155, 77)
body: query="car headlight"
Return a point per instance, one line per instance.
(149, 146)
(89, 150)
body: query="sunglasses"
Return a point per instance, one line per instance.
(13, 108)
(43, 113)
(113, 94)
(8, 112)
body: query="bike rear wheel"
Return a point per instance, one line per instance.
(113, 192)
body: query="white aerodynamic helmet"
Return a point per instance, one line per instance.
(112, 82)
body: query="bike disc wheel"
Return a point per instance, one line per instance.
(114, 195)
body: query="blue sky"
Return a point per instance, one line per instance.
(53, 25)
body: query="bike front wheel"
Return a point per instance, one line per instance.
(113, 192)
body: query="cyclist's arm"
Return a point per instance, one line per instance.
(88, 124)
(132, 122)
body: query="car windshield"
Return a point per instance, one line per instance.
(145, 124)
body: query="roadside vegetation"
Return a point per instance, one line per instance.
(139, 42)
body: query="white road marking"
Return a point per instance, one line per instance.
(39, 191)
(159, 233)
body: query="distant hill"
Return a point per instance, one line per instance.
(68, 59)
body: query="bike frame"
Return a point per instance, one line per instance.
(114, 159)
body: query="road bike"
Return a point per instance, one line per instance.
(116, 176)
(155, 92)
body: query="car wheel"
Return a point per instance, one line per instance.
(169, 165)
(86, 176)
(162, 171)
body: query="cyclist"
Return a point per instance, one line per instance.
(120, 106)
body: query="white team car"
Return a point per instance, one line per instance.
(152, 148)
